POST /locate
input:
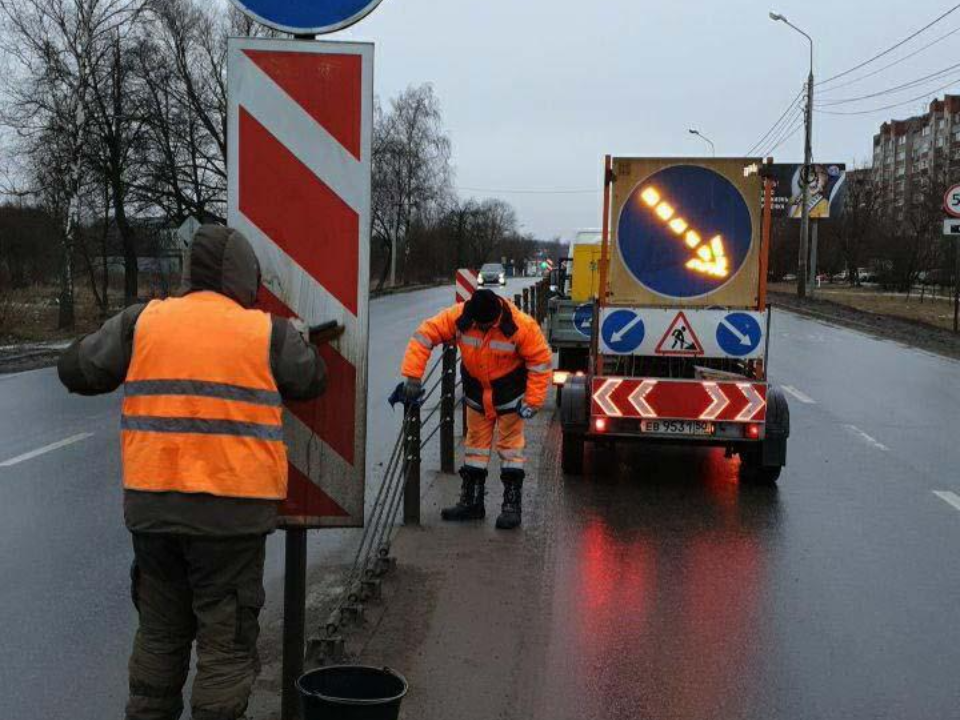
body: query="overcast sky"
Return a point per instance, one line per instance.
(534, 92)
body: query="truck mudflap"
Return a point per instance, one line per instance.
(667, 399)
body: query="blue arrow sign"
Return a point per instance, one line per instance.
(583, 319)
(307, 17)
(623, 331)
(739, 334)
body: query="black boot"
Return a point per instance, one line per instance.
(472, 491)
(512, 508)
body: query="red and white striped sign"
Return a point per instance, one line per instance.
(466, 284)
(649, 398)
(300, 130)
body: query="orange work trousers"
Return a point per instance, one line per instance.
(480, 440)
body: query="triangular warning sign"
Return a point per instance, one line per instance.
(680, 339)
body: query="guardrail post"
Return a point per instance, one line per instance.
(518, 300)
(411, 453)
(534, 291)
(448, 391)
(526, 300)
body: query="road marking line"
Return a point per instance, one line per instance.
(45, 449)
(951, 498)
(867, 438)
(802, 397)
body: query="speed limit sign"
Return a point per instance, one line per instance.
(951, 201)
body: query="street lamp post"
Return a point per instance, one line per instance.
(700, 135)
(805, 173)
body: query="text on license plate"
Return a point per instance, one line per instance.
(677, 427)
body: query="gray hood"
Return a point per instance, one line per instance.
(221, 259)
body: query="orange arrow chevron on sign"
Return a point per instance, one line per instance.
(710, 258)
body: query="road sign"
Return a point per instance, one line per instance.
(685, 232)
(739, 334)
(622, 331)
(307, 17)
(300, 118)
(583, 319)
(467, 281)
(648, 398)
(951, 201)
(680, 339)
(951, 227)
(187, 230)
(719, 333)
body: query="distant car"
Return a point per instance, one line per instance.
(492, 274)
(789, 278)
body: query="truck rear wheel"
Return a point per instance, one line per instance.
(754, 472)
(571, 453)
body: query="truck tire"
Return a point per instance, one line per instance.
(571, 453)
(754, 472)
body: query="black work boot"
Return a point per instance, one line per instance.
(512, 510)
(470, 506)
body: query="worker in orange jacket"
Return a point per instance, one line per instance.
(506, 368)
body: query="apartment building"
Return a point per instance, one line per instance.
(909, 155)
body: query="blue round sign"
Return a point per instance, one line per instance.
(622, 331)
(739, 334)
(307, 17)
(583, 319)
(684, 232)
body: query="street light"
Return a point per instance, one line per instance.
(700, 135)
(805, 173)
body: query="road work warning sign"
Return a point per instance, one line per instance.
(679, 339)
(300, 119)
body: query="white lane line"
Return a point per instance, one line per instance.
(951, 498)
(868, 439)
(45, 449)
(802, 397)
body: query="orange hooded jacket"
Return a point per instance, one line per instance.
(501, 366)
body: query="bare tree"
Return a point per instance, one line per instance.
(857, 224)
(411, 170)
(55, 47)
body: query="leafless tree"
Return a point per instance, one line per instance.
(411, 171)
(858, 222)
(54, 48)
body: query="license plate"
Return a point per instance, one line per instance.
(677, 427)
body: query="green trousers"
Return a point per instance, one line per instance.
(192, 589)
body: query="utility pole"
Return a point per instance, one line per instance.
(806, 172)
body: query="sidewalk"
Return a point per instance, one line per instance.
(453, 615)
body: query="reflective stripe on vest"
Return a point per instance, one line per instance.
(202, 412)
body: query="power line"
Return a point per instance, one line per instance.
(892, 47)
(787, 127)
(792, 133)
(929, 45)
(773, 128)
(896, 88)
(529, 191)
(894, 105)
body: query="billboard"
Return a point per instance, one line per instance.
(827, 189)
(685, 232)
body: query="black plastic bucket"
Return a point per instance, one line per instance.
(351, 692)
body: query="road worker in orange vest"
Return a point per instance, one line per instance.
(506, 369)
(204, 468)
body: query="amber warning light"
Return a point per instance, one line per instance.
(710, 257)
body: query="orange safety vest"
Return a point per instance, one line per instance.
(202, 412)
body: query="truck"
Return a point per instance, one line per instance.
(677, 347)
(573, 286)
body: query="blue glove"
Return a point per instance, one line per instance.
(526, 411)
(410, 393)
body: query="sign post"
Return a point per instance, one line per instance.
(951, 227)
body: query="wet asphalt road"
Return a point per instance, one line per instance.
(676, 593)
(671, 591)
(66, 620)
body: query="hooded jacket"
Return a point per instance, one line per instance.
(220, 261)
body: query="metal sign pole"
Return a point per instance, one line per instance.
(294, 615)
(956, 285)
